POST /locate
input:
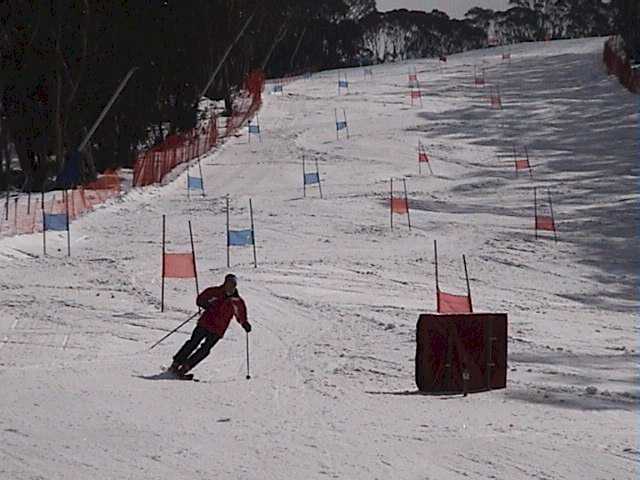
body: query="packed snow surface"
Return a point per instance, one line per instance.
(337, 293)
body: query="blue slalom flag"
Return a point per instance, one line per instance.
(343, 84)
(311, 178)
(341, 125)
(55, 221)
(277, 89)
(239, 238)
(308, 75)
(194, 183)
(254, 128)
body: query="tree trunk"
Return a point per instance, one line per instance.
(278, 38)
(58, 121)
(295, 51)
(228, 100)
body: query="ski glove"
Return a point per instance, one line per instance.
(247, 327)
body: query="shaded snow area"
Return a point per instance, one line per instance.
(336, 296)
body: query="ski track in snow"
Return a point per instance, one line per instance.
(337, 294)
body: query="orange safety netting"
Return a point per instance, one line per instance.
(399, 205)
(545, 222)
(25, 211)
(153, 165)
(246, 104)
(448, 303)
(179, 265)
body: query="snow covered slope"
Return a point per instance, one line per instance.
(337, 294)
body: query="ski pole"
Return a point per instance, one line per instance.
(174, 330)
(248, 375)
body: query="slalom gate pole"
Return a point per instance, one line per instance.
(406, 201)
(391, 202)
(193, 258)
(44, 225)
(466, 276)
(553, 219)
(304, 183)
(66, 198)
(435, 256)
(228, 258)
(253, 236)
(526, 152)
(201, 176)
(319, 182)
(535, 210)
(163, 263)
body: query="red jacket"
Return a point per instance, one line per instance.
(219, 309)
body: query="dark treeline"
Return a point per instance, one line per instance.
(536, 20)
(627, 22)
(61, 60)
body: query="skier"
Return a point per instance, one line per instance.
(220, 304)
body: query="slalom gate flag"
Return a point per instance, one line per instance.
(343, 84)
(341, 125)
(55, 221)
(399, 205)
(179, 265)
(254, 128)
(311, 178)
(545, 222)
(448, 303)
(277, 88)
(194, 183)
(522, 164)
(423, 157)
(239, 238)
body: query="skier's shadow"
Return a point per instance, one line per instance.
(158, 376)
(442, 395)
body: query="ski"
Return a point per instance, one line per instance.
(186, 376)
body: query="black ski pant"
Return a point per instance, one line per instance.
(187, 356)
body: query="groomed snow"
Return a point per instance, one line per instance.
(337, 294)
